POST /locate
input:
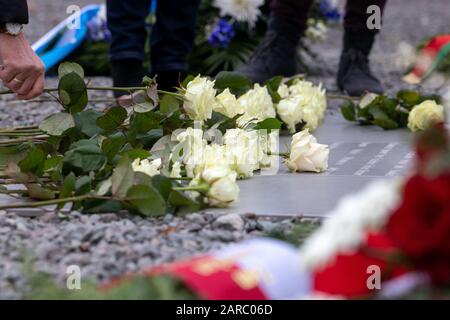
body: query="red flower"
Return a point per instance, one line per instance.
(420, 227)
(348, 274)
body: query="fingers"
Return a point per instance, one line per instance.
(7, 73)
(36, 90)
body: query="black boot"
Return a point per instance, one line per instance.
(276, 54)
(126, 73)
(354, 76)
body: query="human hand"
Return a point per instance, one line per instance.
(21, 70)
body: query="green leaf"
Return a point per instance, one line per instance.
(235, 81)
(348, 111)
(408, 98)
(136, 154)
(83, 185)
(147, 200)
(68, 188)
(122, 178)
(69, 67)
(84, 156)
(169, 104)
(72, 92)
(57, 124)
(147, 81)
(86, 122)
(112, 119)
(35, 191)
(13, 154)
(183, 203)
(33, 162)
(144, 122)
(101, 206)
(381, 119)
(163, 185)
(52, 162)
(272, 86)
(269, 124)
(112, 145)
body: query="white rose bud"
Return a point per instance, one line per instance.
(227, 104)
(306, 154)
(223, 189)
(150, 168)
(424, 115)
(290, 111)
(283, 91)
(200, 97)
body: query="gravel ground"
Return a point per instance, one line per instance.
(109, 245)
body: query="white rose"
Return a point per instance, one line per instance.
(199, 99)
(425, 115)
(290, 111)
(227, 104)
(150, 168)
(257, 105)
(306, 154)
(243, 151)
(313, 102)
(190, 149)
(223, 187)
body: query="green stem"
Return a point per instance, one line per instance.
(37, 204)
(342, 97)
(22, 192)
(199, 188)
(126, 89)
(280, 154)
(181, 178)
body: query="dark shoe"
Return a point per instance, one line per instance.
(354, 76)
(169, 80)
(126, 73)
(275, 55)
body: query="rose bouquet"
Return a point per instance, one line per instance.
(165, 153)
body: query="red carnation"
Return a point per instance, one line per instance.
(420, 227)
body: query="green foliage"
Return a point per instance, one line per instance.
(73, 92)
(236, 82)
(112, 119)
(386, 112)
(57, 124)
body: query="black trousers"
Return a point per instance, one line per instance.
(296, 11)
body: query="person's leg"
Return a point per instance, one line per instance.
(354, 76)
(126, 21)
(276, 55)
(172, 40)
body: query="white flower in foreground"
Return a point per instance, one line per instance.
(241, 10)
(354, 215)
(200, 97)
(425, 115)
(227, 104)
(223, 189)
(306, 154)
(150, 168)
(290, 111)
(257, 105)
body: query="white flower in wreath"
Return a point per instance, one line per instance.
(241, 10)
(306, 154)
(243, 151)
(257, 106)
(150, 168)
(200, 97)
